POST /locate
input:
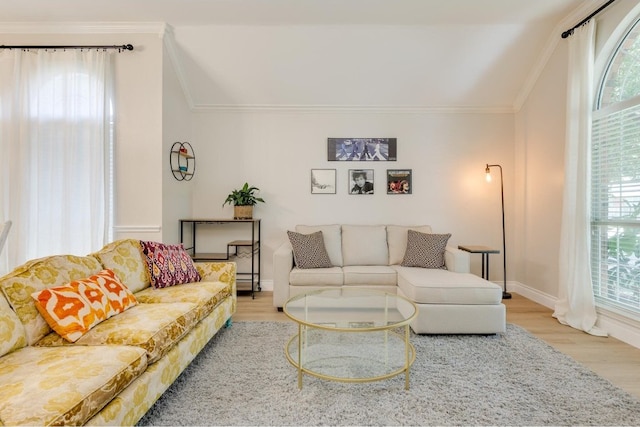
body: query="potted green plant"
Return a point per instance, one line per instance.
(243, 201)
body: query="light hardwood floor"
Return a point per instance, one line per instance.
(608, 357)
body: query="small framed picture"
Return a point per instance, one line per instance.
(323, 181)
(399, 181)
(361, 149)
(361, 181)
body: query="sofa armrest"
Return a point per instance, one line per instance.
(224, 272)
(457, 260)
(282, 265)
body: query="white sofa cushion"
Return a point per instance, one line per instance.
(316, 277)
(458, 318)
(364, 245)
(397, 240)
(332, 240)
(370, 275)
(434, 286)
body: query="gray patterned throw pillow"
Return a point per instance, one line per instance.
(309, 250)
(425, 250)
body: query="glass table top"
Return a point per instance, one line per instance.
(350, 309)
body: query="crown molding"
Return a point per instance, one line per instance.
(82, 27)
(386, 109)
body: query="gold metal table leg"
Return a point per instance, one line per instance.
(407, 356)
(300, 327)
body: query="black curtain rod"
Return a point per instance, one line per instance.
(119, 47)
(600, 9)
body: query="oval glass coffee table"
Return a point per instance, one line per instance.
(351, 335)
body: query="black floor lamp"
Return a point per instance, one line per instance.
(505, 294)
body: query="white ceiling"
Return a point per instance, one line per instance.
(340, 53)
(279, 12)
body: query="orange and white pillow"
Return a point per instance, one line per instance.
(119, 296)
(73, 309)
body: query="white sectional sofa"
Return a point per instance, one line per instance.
(450, 300)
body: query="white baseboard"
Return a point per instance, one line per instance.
(266, 285)
(128, 229)
(533, 294)
(617, 326)
(620, 327)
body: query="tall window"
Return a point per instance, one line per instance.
(615, 180)
(56, 131)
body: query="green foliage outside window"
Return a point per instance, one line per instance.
(616, 179)
(622, 80)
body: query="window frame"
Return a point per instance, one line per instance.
(601, 242)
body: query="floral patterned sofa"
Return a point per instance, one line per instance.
(118, 367)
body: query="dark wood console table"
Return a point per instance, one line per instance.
(485, 251)
(252, 242)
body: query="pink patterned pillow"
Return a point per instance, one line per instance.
(168, 265)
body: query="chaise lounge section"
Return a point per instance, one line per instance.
(394, 259)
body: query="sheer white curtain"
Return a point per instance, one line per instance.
(576, 306)
(55, 151)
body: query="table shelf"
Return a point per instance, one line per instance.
(210, 256)
(250, 276)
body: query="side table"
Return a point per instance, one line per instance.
(485, 251)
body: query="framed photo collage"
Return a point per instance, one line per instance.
(361, 180)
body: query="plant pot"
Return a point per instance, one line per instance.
(242, 212)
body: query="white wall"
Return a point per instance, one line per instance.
(139, 153)
(176, 127)
(540, 128)
(276, 151)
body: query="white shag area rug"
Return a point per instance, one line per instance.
(243, 378)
